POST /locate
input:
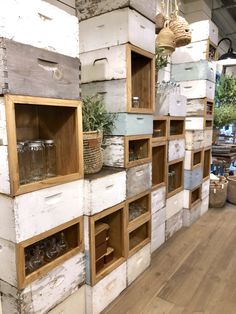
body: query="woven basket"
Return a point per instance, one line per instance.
(93, 160)
(166, 39)
(181, 30)
(218, 193)
(231, 193)
(160, 21)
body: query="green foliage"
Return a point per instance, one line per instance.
(224, 115)
(161, 60)
(95, 116)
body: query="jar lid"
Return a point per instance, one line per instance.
(135, 98)
(49, 141)
(20, 144)
(35, 144)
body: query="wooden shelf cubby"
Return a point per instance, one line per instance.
(209, 108)
(159, 128)
(206, 163)
(192, 197)
(176, 127)
(137, 150)
(33, 118)
(174, 177)
(138, 208)
(107, 249)
(209, 123)
(45, 246)
(159, 157)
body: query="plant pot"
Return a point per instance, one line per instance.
(93, 160)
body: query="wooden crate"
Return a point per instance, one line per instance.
(204, 205)
(170, 104)
(194, 123)
(160, 124)
(193, 178)
(173, 224)
(34, 213)
(158, 197)
(176, 127)
(193, 159)
(205, 188)
(176, 149)
(158, 235)
(159, 164)
(31, 118)
(27, 68)
(206, 163)
(175, 177)
(200, 107)
(88, 9)
(110, 183)
(192, 197)
(174, 204)
(132, 66)
(191, 215)
(209, 123)
(204, 30)
(116, 27)
(126, 151)
(194, 139)
(208, 134)
(114, 217)
(198, 89)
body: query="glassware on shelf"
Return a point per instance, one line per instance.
(135, 210)
(171, 181)
(135, 102)
(51, 250)
(36, 260)
(158, 133)
(62, 243)
(21, 162)
(36, 160)
(50, 158)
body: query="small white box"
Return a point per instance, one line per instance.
(176, 149)
(204, 30)
(170, 104)
(174, 204)
(158, 197)
(138, 179)
(194, 123)
(198, 89)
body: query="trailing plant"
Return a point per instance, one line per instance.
(95, 116)
(161, 60)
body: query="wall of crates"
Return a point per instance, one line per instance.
(156, 161)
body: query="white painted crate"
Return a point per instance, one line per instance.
(176, 149)
(205, 189)
(187, 198)
(30, 214)
(4, 171)
(197, 89)
(116, 28)
(194, 140)
(104, 190)
(114, 151)
(189, 159)
(174, 204)
(3, 126)
(204, 205)
(191, 215)
(158, 197)
(204, 30)
(194, 123)
(106, 290)
(170, 104)
(37, 23)
(173, 224)
(197, 107)
(138, 263)
(208, 134)
(46, 292)
(158, 232)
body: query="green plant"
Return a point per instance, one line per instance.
(224, 115)
(95, 116)
(161, 60)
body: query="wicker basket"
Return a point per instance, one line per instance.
(160, 21)
(93, 160)
(218, 193)
(166, 39)
(181, 30)
(231, 193)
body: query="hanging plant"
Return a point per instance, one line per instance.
(161, 60)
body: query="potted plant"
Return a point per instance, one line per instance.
(161, 60)
(96, 122)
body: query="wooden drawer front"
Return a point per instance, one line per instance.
(158, 197)
(204, 30)
(174, 204)
(88, 9)
(194, 123)
(205, 189)
(170, 104)
(58, 72)
(138, 179)
(193, 178)
(158, 236)
(191, 215)
(194, 140)
(137, 263)
(193, 158)
(115, 27)
(176, 149)
(111, 185)
(36, 212)
(208, 134)
(204, 205)
(106, 290)
(202, 70)
(197, 89)
(174, 224)
(133, 124)
(3, 125)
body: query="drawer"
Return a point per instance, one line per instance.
(200, 107)
(139, 179)
(174, 204)
(176, 149)
(170, 104)
(193, 178)
(204, 30)
(158, 218)
(158, 235)
(197, 89)
(158, 199)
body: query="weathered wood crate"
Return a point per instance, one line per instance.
(192, 197)
(158, 199)
(206, 162)
(88, 9)
(193, 178)
(37, 23)
(198, 89)
(116, 27)
(110, 183)
(205, 189)
(160, 128)
(31, 214)
(159, 152)
(176, 149)
(204, 30)
(46, 292)
(193, 159)
(175, 177)
(176, 128)
(208, 134)
(138, 263)
(173, 224)
(106, 290)
(191, 215)
(37, 67)
(194, 139)
(158, 229)
(201, 70)
(200, 107)
(170, 104)
(138, 179)
(194, 123)
(204, 205)
(174, 204)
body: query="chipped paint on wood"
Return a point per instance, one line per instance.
(176, 149)
(174, 224)
(158, 233)
(158, 199)
(114, 151)
(174, 204)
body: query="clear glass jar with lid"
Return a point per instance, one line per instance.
(135, 102)
(36, 160)
(50, 158)
(21, 162)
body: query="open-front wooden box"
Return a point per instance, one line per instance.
(192, 197)
(106, 241)
(209, 123)
(158, 164)
(209, 108)
(137, 150)
(35, 118)
(206, 163)
(193, 159)
(174, 177)
(38, 255)
(176, 127)
(159, 128)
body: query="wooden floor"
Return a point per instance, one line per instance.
(193, 272)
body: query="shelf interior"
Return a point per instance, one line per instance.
(158, 164)
(197, 158)
(175, 176)
(138, 235)
(138, 207)
(206, 164)
(159, 128)
(176, 127)
(138, 149)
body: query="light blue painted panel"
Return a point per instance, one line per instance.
(193, 178)
(191, 71)
(133, 124)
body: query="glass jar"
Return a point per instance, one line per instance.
(135, 102)
(21, 162)
(36, 160)
(50, 158)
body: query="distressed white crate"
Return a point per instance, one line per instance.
(158, 197)
(75, 303)
(4, 171)
(198, 89)
(208, 134)
(3, 127)
(114, 151)
(138, 179)
(138, 263)
(30, 214)
(36, 23)
(46, 292)
(117, 28)
(110, 184)
(194, 139)
(205, 189)
(106, 290)
(191, 215)
(188, 198)
(196, 107)
(204, 205)
(158, 233)
(203, 30)
(174, 204)
(170, 104)
(176, 149)
(194, 123)
(173, 224)
(189, 159)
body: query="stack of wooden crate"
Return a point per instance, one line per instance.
(197, 82)
(117, 46)
(41, 225)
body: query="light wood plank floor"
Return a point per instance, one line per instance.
(194, 272)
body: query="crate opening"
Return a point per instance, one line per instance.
(209, 108)
(175, 176)
(158, 164)
(176, 127)
(159, 128)
(138, 149)
(207, 163)
(137, 236)
(138, 207)
(195, 195)
(209, 123)
(197, 158)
